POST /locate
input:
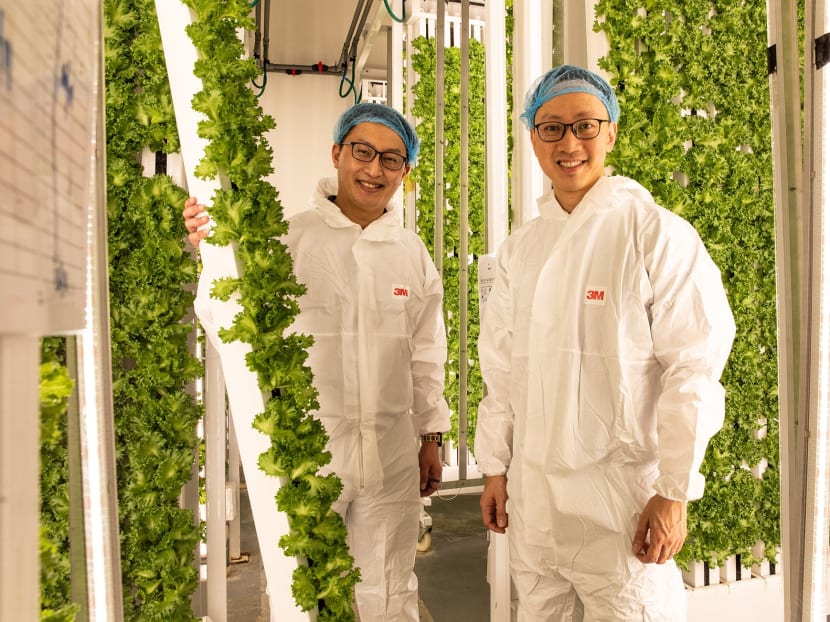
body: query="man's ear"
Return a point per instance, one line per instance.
(612, 136)
(335, 154)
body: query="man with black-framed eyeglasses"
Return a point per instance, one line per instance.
(374, 307)
(601, 348)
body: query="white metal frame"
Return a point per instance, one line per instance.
(785, 95)
(19, 469)
(815, 460)
(531, 58)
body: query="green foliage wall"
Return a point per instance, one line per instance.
(424, 174)
(55, 390)
(155, 418)
(695, 130)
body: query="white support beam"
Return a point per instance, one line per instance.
(394, 85)
(410, 194)
(95, 407)
(395, 70)
(215, 435)
(531, 58)
(495, 68)
(581, 45)
(375, 18)
(245, 397)
(19, 476)
(816, 493)
(791, 244)
(234, 483)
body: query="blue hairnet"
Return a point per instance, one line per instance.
(568, 79)
(385, 115)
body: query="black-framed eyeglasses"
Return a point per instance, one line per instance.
(584, 129)
(390, 160)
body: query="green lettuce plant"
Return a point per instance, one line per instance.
(155, 417)
(248, 214)
(55, 389)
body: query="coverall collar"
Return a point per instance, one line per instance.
(600, 195)
(384, 228)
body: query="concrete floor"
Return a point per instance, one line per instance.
(451, 575)
(247, 598)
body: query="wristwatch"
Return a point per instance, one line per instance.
(432, 437)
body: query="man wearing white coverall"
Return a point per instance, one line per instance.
(373, 306)
(602, 345)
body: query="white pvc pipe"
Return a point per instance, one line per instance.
(785, 101)
(217, 584)
(817, 141)
(463, 240)
(410, 200)
(97, 429)
(532, 23)
(438, 242)
(234, 482)
(495, 52)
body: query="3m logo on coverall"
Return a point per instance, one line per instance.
(399, 291)
(595, 296)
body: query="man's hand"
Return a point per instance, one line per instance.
(429, 461)
(661, 530)
(195, 217)
(494, 503)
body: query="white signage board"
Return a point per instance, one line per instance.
(47, 68)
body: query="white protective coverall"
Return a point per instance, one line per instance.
(373, 306)
(602, 345)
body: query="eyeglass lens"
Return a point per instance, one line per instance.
(583, 129)
(388, 159)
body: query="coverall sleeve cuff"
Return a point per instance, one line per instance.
(434, 420)
(680, 487)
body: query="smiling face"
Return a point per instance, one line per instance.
(573, 165)
(365, 188)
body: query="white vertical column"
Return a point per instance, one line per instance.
(498, 552)
(215, 435)
(463, 240)
(394, 72)
(791, 246)
(495, 67)
(410, 205)
(817, 170)
(531, 58)
(581, 45)
(394, 79)
(19, 477)
(498, 575)
(234, 483)
(440, 40)
(97, 424)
